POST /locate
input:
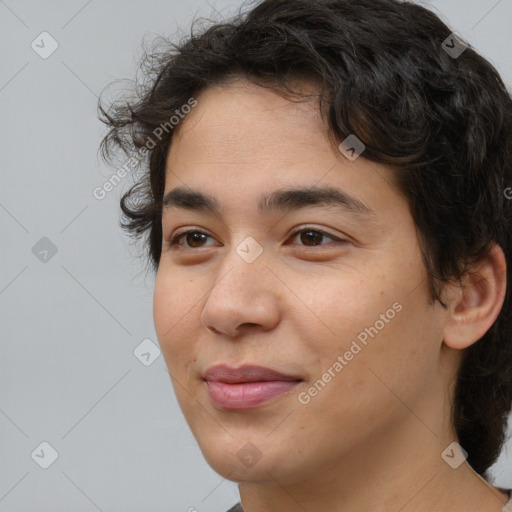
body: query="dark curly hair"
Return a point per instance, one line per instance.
(443, 121)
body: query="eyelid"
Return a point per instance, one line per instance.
(187, 229)
(319, 230)
(173, 241)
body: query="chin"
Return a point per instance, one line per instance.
(235, 458)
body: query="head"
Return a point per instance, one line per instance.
(406, 280)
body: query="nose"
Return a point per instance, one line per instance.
(244, 296)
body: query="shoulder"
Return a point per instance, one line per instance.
(236, 508)
(508, 505)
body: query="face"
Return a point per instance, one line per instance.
(332, 292)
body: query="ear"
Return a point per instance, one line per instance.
(474, 306)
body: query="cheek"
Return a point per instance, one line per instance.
(397, 364)
(337, 311)
(174, 298)
(368, 395)
(173, 309)
(164, 309)
(386, 336)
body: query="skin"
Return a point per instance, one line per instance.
(372, 438)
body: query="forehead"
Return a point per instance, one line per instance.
(241, 119)
(246, 140)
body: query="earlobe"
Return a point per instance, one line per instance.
(474, 306)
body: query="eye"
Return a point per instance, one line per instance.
(195, 238)
(312, 237)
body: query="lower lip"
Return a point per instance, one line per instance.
(247, 395)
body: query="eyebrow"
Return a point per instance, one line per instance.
(282, 200)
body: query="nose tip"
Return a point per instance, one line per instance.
(239, 302)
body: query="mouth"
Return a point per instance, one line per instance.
(245, 373)
(246, 387)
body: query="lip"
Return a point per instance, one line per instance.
(246, 387)
(245, 373)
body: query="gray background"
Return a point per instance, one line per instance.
(70, 324)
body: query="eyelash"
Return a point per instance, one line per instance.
(174, 240)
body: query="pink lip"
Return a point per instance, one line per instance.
(246, 387)
(246, 395)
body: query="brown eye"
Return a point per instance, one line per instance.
(194, 239)
(308, 238)
(313, 237)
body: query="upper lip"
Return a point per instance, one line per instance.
(245, 373)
